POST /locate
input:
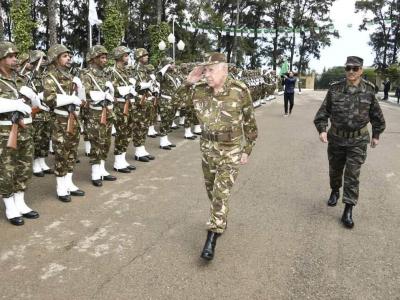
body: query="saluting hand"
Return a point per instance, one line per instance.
(195, 75)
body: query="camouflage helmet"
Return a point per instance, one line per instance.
(23, 58)
(96, 51)
(120, 51)
(55, 51)
(140, 52)
(35, 55)
(166, 61)
(7, 48)
(150, 68)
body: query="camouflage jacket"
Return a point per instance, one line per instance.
(119, 77)
(169, 85)
(101, 77)
(51, 89)
(350, 108)
(9, 88)
(229, 111)
(142, 74)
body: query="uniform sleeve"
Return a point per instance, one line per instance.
(376, 118)
(87, 83)
(249, 123)
(49, 92)
(323, 114)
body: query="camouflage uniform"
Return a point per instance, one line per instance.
(122, 80)
(58, 82)
(227, 120)
(144, 113)
(168, 99)
(95, 80)
(16, 164)
(350, 109)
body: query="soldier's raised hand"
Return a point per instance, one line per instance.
(195, 75)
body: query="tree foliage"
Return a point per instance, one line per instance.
(114, 24)
(22, 24)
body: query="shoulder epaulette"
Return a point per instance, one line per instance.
(239, 84)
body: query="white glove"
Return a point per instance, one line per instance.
(22, 107)
(8, 105)
(124, 90)
(40, 95)
(36, 102)
(109, 97)
(132, 81)
(76, 100)
(97, 96)
(132, 90)
(145, 85)
(164, 70)
(78, 82)
(153, 77)
(155, 89)
(27, 92)
(110, 87)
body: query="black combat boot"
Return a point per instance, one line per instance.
(209, 246)
(333, 198)
(347, 218)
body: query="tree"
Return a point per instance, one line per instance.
(22, 24)
(385, 39)
(114, 24)
(52, 22)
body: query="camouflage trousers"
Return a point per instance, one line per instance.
(124, 128)
(190, 116)
(41, 137)
(65, 146)
(143, 117)
(84, 121)
(99, 135)
(167, 111)
(16, 165)
(220, 164)
(348, 159)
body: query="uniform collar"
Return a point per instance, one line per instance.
(360, 88)
(96, 70)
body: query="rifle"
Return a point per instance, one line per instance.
(35, 110)
(104, 104)
(127, 104)
(17, 121)
(72, 117)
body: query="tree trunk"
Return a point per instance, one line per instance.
(275, 50)
(235, 42)
(52, 15)
(60, 21)
(159, 11)
(1, 23)
(292, 47)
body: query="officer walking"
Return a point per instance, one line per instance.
(61, 95)
(350, 105)
(16, 148)
(224, 108)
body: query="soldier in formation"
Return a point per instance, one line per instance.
(16, 148)
(350, 105)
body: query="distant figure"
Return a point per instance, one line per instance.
(386, 89)
(398, 94)
(290, 83)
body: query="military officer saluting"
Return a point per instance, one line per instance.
(100, 96)
(16, 143)
(350, 105)
(61, 90)
(224, 108)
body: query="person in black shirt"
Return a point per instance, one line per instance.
(290, 83)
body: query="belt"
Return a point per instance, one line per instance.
(101, 107)
(349, 134)
(7, 123)
(122, 100)
(63, 112)
(166, 97)
(221, 136)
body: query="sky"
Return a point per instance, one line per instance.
(351, 41)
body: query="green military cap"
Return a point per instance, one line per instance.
(35, 55)
(354, 61)
(96, 51)
(120, 51)
(23, 58)
(214, 58)
(55, 51)
(140, 52)
(7, 48)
